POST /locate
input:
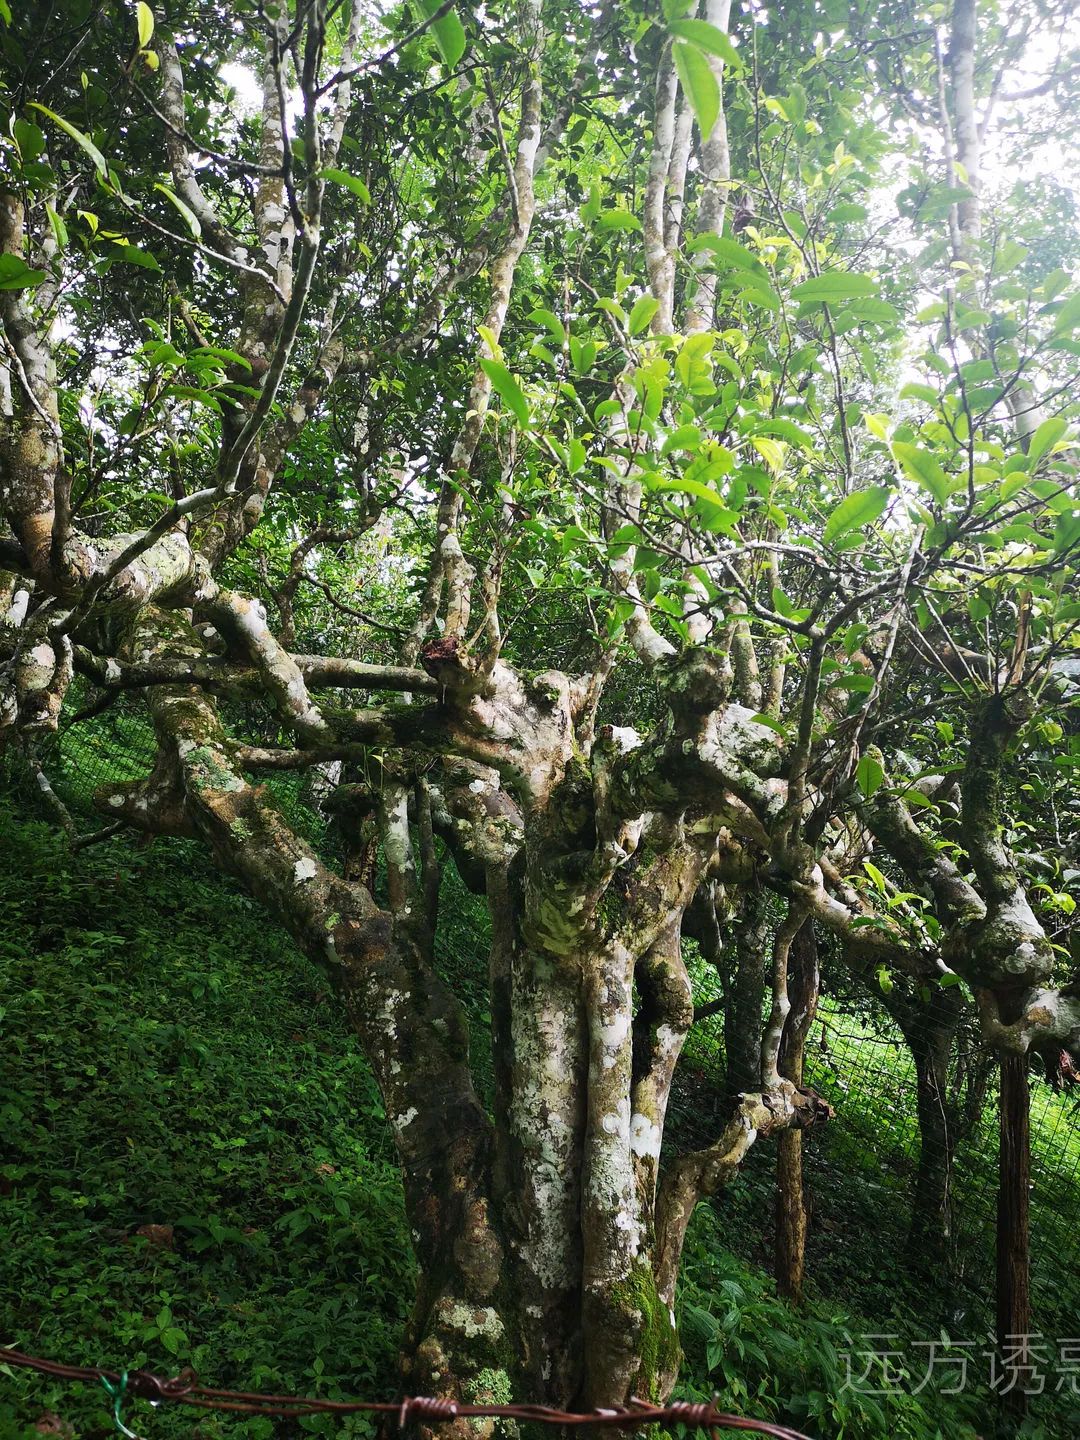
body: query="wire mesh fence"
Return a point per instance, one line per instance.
(863, 1171)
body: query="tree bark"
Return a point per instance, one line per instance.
(791, 1211)
(930, 1036)
(743, 999)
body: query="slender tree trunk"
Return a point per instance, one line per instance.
(791, 1211)
(743, 998)
(1013, 1217)
(930, 1035)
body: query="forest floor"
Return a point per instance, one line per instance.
(195, 1170)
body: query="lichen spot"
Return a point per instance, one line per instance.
(645, 1137)
(303, 870)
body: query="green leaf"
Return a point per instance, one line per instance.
(80, 139)
(351, 182)
(56, 224)
(913, 390)
(145, 18)
(507, 389)
(1046, 437)
(216, 352)
(860, 508)
(706, 37)
(867, 310)
(859, 684)
(30, 140)
(834, 286)
(971, 319)
(590, 211)
(920, 466)
(691, 355)
(737, 256)
(787, 430)
(15, 274)
(1068, 317)
(1067, 531)
(642, 313)
(551, 323)
(190, 218)
(846, 214)
(192, 392)
(686, 437)
(618, 220)
(916, 799)
(699, 85)
(131, 255)
(612, 307)
(770, 722)
(448, 31)
(868, 778)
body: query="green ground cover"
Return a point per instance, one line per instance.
(168, 1059)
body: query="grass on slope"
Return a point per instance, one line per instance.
(168, 1059)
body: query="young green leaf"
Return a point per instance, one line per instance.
(1046, 437)
(770, 722)
(1067, 318)
(551, 323)
(618, 220)
(706, 37)
(860, 508)
(590, 211)
(642, 313)
(699, 84)
(834, 286)
(351, 182)
(686, 437)
(56, 224)
(920, 466)
(914, 390)
(448, 31)
(145, 18)
(612, 307)
(507, 389)
(868, 778)
(15, 274)
(84, 141)
(190, 218)
(729, 252)
(131, 255)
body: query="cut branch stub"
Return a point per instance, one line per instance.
(448, 662)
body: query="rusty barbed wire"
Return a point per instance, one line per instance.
(185, 1389)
